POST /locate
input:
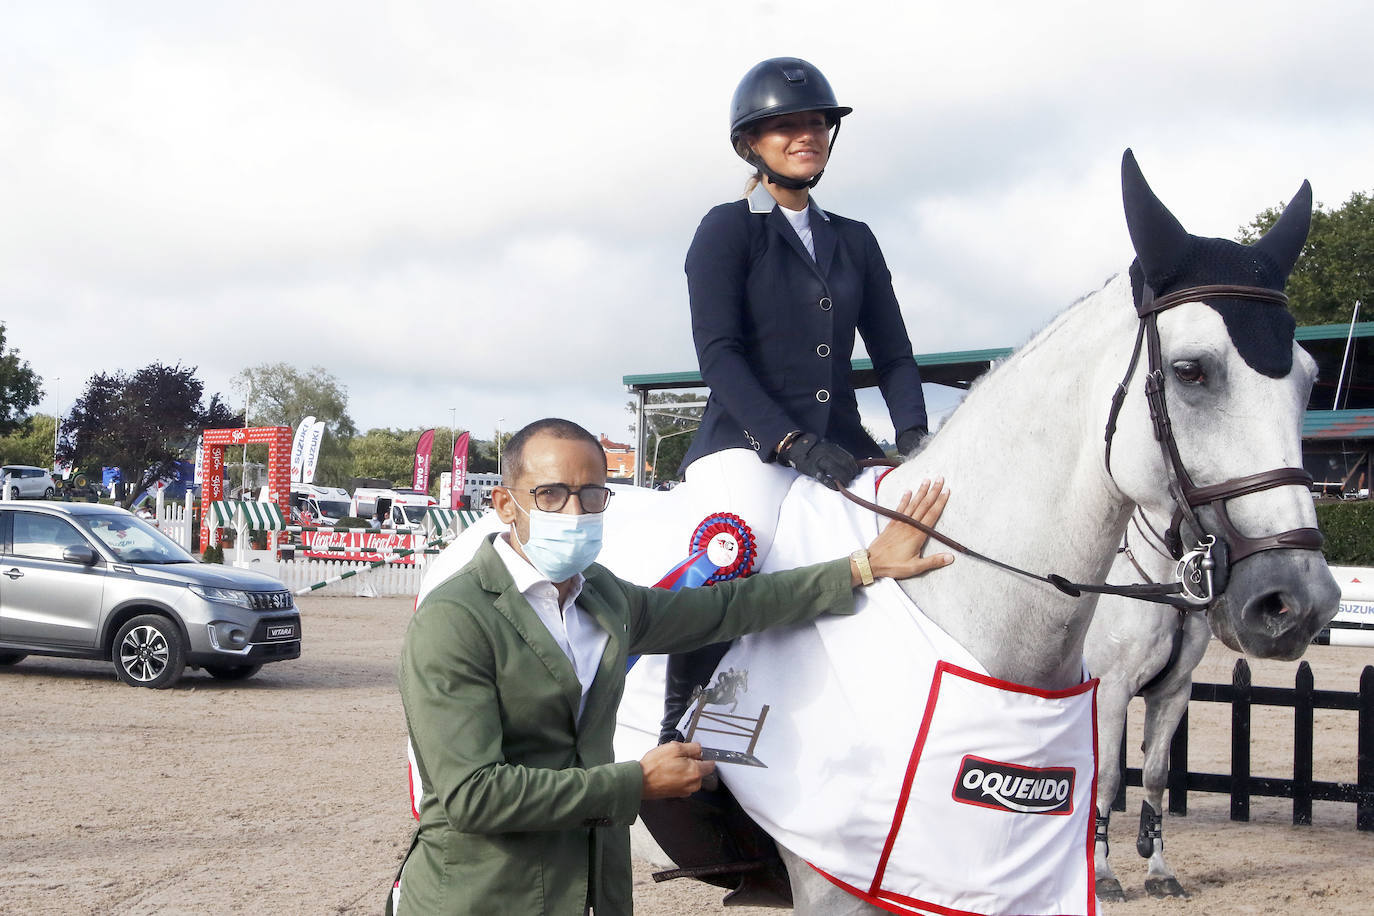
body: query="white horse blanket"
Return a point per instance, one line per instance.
(890, 760)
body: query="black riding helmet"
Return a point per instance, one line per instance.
(782, 85)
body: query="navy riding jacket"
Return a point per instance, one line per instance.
(774, 329)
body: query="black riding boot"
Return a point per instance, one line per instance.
(686, 672)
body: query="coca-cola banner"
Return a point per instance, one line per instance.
(422, 450)
(368, 546)
(460, 471)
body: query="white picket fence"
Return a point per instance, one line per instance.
(176, 521)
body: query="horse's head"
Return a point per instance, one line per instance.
(1214, 422)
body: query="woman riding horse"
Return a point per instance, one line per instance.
(778, 288)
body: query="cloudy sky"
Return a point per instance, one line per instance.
(485, 206)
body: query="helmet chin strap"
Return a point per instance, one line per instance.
(792, 184)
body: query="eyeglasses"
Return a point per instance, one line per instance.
(552, 497)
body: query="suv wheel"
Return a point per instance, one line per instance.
(148, 652)
(47, 494)
(233, 672)
(10, 658)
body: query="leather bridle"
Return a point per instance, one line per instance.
(1204, 570)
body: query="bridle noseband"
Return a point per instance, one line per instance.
(1202, 576)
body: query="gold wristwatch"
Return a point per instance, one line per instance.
(860, 558)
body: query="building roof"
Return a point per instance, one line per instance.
(956, 368)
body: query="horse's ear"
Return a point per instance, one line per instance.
(1158, 237)
(1284, 240)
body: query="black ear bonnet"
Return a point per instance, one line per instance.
(1169, 259)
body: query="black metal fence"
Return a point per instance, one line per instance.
(1304, 699)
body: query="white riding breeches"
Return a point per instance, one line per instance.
(744, 486)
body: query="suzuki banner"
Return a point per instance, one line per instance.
(298, 448)
(420, 480)
(460, 472)
(311, 455)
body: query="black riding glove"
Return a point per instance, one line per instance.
(908, 439)
(815, 457)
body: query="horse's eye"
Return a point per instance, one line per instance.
(1189, 372)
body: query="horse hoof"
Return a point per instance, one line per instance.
(1164, 887)
(1109, 890)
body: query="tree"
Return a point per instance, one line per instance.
(283, 396)
(19, 388)
(141, 423)
(669, 430)
(1337, 263)
(31, 443)
(386, 453)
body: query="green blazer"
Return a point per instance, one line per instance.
(524, 809)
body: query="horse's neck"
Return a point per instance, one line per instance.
(1023, 461)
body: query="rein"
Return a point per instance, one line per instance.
(1197, 568)
(1176, 594)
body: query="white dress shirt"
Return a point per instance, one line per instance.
(576, 632)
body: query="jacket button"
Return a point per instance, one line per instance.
(823, 350)
(822, 395)
(825, 304)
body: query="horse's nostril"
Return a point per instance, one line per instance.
(1273, 612)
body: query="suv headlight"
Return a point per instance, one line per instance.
(224, 595)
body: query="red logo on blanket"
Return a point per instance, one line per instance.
(1008, 787)
(728, 543)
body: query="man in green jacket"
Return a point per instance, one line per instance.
(512, 671)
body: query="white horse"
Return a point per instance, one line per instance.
(1150, 650)
(1031, 485)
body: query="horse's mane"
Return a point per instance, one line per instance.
(1030, 346)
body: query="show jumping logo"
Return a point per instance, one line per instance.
(729, 544)
(1018, 789)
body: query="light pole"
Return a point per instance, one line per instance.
(499, 421)
(56, 417)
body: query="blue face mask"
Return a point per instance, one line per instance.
(561, 545)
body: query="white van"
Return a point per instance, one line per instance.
(324, 505)
(400, 510)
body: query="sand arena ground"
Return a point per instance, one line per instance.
(287, 793)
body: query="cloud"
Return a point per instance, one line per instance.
(488, 204)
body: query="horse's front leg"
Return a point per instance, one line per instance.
(1113, 696)
(1165, 704)
(813, 895)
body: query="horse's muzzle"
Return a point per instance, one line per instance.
(1275, 603)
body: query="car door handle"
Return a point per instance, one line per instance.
(15, 573)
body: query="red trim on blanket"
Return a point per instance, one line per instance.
(1089, 684)
(879, 482)
(891, 901)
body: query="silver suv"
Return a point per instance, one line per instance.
(27, 482)
(91, 581)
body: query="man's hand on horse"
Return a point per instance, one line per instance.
(674, 770)
(896, 551)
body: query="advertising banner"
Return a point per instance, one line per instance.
(311, 456)
(199, 477)
(298, 448)
(361, 546)
(422, 451)
(460, 471)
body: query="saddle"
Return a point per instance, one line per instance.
(713, 840)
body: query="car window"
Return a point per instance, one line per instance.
(43, 536)
(133, 540)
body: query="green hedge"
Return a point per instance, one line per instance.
(1349, 529)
